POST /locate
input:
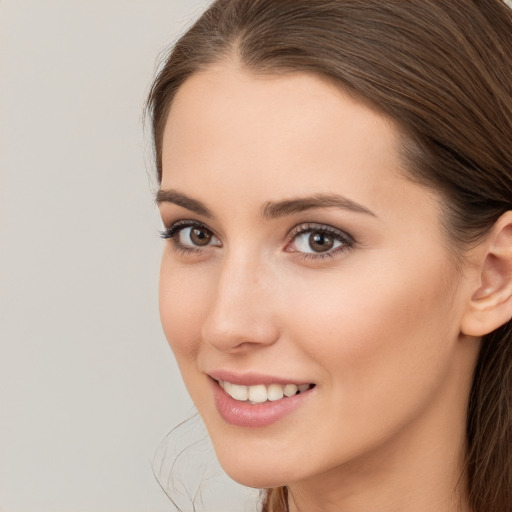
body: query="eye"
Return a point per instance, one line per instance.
(317, 240)
(191, 236)
(195, 236)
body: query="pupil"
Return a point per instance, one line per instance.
(200, 236)
(320, 242)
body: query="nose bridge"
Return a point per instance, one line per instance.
(241, 312)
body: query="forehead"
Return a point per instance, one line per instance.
(289, 105)
(271, 136)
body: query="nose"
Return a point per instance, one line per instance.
(242, 315)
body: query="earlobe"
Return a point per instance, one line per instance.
(490, 304)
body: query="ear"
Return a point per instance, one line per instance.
(490, 305)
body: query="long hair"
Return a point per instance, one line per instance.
(442, 70)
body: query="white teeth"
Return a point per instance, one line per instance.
(275, 392)
(290, 389)
(258, 394)
(239, 392)
(261, 393)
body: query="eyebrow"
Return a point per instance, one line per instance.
(175, 197)
(291, 206)
(271, 210)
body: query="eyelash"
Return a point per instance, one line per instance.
(347, 242)
(171, 232)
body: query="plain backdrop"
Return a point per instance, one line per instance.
(88, 383)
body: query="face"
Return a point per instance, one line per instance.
(306, 289)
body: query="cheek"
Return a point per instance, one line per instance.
(183, 295)
(381, 339)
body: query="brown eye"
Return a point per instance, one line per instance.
(200, 236)
(317, 240)
(194, 236)
(320, 242)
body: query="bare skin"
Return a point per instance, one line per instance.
(373, 315)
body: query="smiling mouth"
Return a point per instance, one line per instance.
(261, 393)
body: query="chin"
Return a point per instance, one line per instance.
(256, 466)
(250, 476)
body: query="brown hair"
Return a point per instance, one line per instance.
(441, 69)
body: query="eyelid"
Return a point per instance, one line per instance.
(326, 228)
(347, 241)
(172, 233)
(175, 227)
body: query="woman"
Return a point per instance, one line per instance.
(336, 285)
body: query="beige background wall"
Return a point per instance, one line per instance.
(88, 386)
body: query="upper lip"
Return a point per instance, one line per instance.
(253, 379)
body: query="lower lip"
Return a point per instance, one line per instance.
(243, 414)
